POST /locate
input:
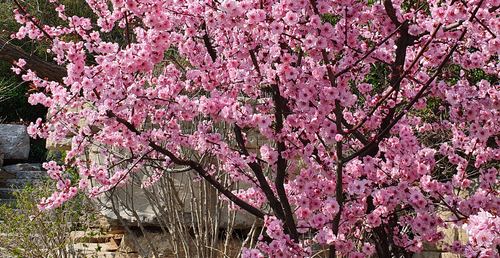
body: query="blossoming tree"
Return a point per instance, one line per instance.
(340, 90)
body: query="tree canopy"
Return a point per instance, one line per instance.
(373, 115)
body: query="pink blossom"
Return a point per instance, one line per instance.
(338, 129)
(291, 18)
(368, 249)
(268, 154)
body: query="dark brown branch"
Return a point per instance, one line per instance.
(405, 73)
(23, 10)
(257, 169)
(391, 12)
(413, 101)
(196, 167)
(458, 23)
(281, 168)
(338, 185)
(383, 240)
(367, 53)
(379, 137)
(208, 44)
(127, 31)
(473, 14)
(493, 9)
(299, 59)
(356, 133)
(485, 27)
(397, 67)
(239, 140)
(315, 8)
(338, 117)
(254, 61)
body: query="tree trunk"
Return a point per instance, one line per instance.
(42, 68)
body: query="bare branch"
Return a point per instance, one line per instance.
(196, 167)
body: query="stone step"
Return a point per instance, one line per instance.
(5, 201)
(6, 193)
(20, 183)
(31, 175)
(23, 167)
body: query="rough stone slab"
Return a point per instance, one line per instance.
(14, 142)
(31, 175)
(145, 211)
(21, 183)
(6, 193)
(6, 201)
(87, 237)
(65, 144)
(431, 247)
(450, 255)
(127, 255)
(160, 242)
(23, 167)
(90, 250)
(112, 245)
(462, 236)
(127, 244)
(4, 175)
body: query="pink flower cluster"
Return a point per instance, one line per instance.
(344, 119)
(483, 229)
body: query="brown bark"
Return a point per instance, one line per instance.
(42, 68)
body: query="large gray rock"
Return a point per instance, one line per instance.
(14, 142)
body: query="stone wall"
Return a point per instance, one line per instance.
(133, 197)
(182, 184)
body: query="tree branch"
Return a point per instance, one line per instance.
(10, 53)
(196, 167)
(257, 170)
(409, 105)
(405, 73)
(281, 167)
(391, 12)
(208, 44)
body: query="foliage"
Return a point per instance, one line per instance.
(16, 108)
(5, 88)
(320, 107)
(28, 233)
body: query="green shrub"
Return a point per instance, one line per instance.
(16, 107)
(29, 233)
